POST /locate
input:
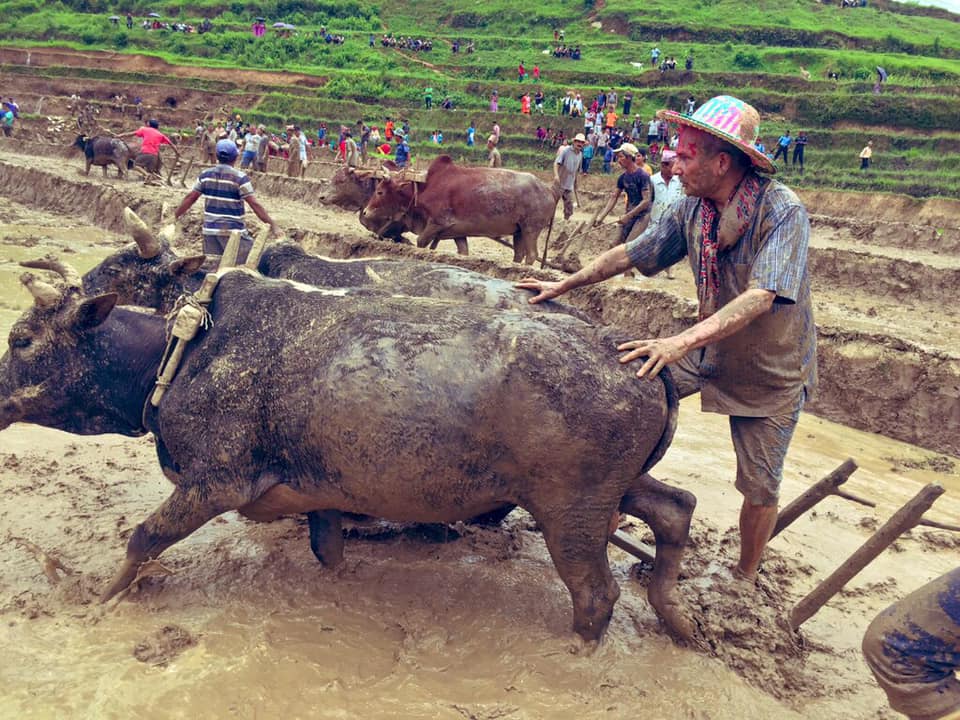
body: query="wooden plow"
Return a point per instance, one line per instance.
(910, 515)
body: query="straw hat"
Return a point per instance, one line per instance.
(731, 120)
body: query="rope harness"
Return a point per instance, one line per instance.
(190, 312)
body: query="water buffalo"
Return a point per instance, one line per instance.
(350, 188)
(103, 151)
(150, 274)
(457, 201)
(410, 409)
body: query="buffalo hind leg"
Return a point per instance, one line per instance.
(326, 536)
(178, 516)
(577, 542)
(524, 247)
(668, 511)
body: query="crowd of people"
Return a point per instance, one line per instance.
(409, 43)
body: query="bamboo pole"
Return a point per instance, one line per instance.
(814, 494)
(904, 519)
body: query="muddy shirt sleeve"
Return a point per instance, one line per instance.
(660, 245)
(780, 264)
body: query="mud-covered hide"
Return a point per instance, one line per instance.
(461, 201)
(403, 277)
(409, 409)
(159, 281)
(155, 282)
(103, 151)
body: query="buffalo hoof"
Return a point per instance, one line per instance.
(122, 580)
(674, 614)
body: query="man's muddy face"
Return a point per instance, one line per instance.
(697, 168)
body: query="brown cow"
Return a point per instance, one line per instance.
(456, 201)
(351, 188)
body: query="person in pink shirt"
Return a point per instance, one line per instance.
(151, 140)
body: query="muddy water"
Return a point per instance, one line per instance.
(28, 235)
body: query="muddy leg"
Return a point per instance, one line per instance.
(668, 511)
(179, 515)
(462, 248)
(326, 536)
(577, 542)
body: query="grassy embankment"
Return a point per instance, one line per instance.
(755, 50)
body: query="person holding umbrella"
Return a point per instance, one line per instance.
(881, 78)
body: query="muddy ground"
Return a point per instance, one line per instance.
(467, 622)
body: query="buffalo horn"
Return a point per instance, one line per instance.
(168, 225)
(69, 275)
(44, 295)
(149, 246)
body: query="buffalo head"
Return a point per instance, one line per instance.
(146, 272)
(390, 206)
(42, 374)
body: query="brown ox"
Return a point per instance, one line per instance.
(351, 188)
(457, 201)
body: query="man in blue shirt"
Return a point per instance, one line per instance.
(402, 156)
(782, 145)
(636, 184)
(225, 190)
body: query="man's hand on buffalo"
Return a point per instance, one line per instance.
(658, 351)
(546, 289)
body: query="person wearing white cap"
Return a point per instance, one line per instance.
(666, 191)
(752, 355)
(566, 171)
(636, 184)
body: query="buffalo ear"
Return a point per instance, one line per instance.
(187, 265)
(94, 311)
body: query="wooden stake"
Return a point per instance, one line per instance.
(904, 519)
(814, 494)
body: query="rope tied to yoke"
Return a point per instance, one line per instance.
(188, 315)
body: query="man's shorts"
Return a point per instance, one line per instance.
(216, 244)
(760, 443)
(248, 157)
(567, 196)
(913, 650)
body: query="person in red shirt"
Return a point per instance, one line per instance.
(151, 140)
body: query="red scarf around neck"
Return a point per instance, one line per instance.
(720, 231)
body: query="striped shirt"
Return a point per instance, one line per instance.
(224, 189)
(770, 366)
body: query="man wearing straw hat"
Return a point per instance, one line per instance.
(752, 355)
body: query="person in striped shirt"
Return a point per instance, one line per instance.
(225, 191)
(752, 355)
